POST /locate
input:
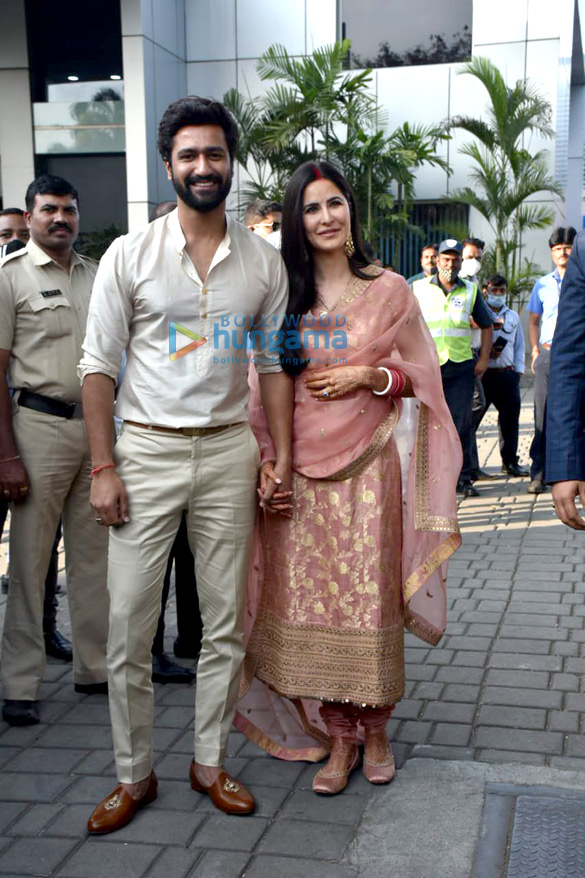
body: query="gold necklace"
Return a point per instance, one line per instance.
(321, 303)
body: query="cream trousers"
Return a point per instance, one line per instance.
(55, 453)
(213, 478)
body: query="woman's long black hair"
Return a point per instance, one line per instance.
(298, 255)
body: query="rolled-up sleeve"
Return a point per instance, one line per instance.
(109, 318)
(269, 345)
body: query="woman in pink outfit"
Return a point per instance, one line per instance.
(374, 517)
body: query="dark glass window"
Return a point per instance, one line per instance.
(73, 39)
(392, 33)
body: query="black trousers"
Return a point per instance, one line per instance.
(538, 446)
(502, 390)
(458, 381)
(189, 625)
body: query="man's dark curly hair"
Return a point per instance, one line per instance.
(194, 110)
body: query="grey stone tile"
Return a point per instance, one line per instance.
(97, 762)
(499, 756)
(461, 692)
(35, 856)
(174, 766)
(9, 811)
(20, 787)
(158, 826)
(442, 751)
(285, 867)
(89, 713)
(414, 732)
(77, 737)
(71, 822)
(460, 675)
(176, 717)
(521, 697)
(492, 737)
(451, 734)
(306, 805)
(408, 708)
(562, 721)
(175, 863)
(526, 662)
(449, 712)
(88, 790)
(467, 659)
(513, 717)
(534, 647)
(21, 736)
(319, 840)
(230, 833)
(8, 753)
(101, 857)
(184, 744)
(517, 679)
(163, 738)
(35, 820)
(177, 795)
(222, 864)
(53, 761)
(271, 772)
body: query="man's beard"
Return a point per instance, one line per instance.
(205, 201)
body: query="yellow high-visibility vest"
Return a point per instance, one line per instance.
(447, 317)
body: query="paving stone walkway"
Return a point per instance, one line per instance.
(505, 685)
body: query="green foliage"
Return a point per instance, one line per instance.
(505, 173)
(95, 244)
(316, 109)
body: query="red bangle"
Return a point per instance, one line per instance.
(399, 382)
(98, 469)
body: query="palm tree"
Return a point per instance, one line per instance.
(506, 174)
(317, 109)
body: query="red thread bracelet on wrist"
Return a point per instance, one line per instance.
(98, 469)
(400, 380)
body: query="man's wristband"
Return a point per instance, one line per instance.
(98, 469)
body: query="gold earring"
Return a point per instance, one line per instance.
(349, 246)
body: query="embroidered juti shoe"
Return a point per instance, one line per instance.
(379, 764)
(226, 793)
(119, 808)
(331, 781)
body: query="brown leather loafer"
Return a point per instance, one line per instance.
(226, 793)
(119, 808)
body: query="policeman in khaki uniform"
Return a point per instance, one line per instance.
(447, 302)
(44, 454)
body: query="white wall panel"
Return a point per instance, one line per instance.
(509, 58)
(211, 79)
(260, 24)
(414, 94)
(546, 19)
(210, 30)
(249, 83)
(497, 21)
(321, 24)
(136, 18)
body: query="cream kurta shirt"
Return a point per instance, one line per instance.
(43, 313)
(147, 287)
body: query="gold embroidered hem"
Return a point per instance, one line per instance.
(315, 661)
(423, 520)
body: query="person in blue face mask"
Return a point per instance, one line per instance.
(501, 380)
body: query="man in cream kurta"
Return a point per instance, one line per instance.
(44, 453)
(197, 277)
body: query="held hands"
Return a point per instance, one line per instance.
(564, 494)
(14, 483)
(108, 499)
(338, 381)
(275, 488)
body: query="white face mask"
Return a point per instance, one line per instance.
(470, 267)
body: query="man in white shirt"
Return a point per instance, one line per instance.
(186, 445)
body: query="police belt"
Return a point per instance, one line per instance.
(39, 403)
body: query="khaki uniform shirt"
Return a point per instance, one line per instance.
(43, 314)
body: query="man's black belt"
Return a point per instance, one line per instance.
(48, 406)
